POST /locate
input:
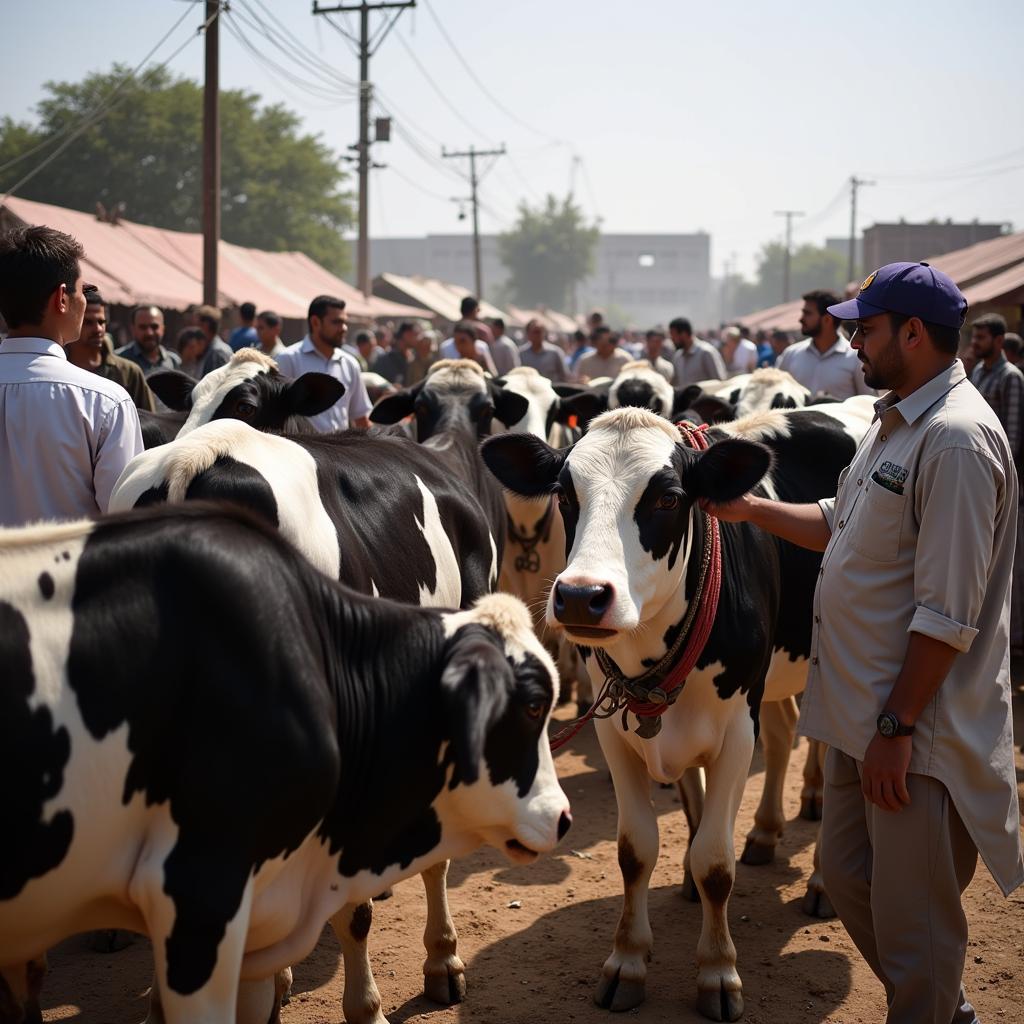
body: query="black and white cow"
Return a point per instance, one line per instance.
(295, 747)
(249, 387)
(628, 494)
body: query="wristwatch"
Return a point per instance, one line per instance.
(889, 725)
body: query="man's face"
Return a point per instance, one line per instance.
(331, 327)
(653, 345)
(410, 340)
(534, 334)
(604, 344)
(267, 333)
(497, 330)
(474, 313)
(94, 326)
(810, 320)
(982, 342)
(465, 345)
(878, 348)
(148, 329)
(681, 339)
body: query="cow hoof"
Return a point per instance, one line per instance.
(810, 808)
(110, 940)
(756, 854)
(616, 994)
(817, 904)
(445, 989)
(720, 1003)
(690, 892)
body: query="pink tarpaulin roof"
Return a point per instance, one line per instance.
(440, 297)
(784, 317)
(552, 319)
(136, 263)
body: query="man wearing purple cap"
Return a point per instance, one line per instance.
(909, 677)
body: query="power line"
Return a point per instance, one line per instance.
(110, 103)
(102, 107)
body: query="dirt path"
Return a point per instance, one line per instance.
(539, 963)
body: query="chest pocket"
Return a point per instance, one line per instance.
(878, 524)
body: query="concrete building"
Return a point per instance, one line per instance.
(889, 243)
(645, 279)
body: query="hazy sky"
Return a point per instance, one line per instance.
(686, 116)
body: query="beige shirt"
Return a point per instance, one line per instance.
(593, 366)
(922, 541)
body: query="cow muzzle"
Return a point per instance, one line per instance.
(580, 608)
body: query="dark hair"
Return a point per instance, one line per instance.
(778, 335)
(681, 324)
(822, 300)
(580, 337)
(364, 336)
(247, 310)
(991, 322)
(404, 328)
(34, 263)
(464, 327)
(210, 315)
(143, 309)
(270, 318)
(496, 321)
(321, 304)
(1012, 343)
(945, 339)
(599, 330)
(467, 305)
(187, 334)
(93, 297)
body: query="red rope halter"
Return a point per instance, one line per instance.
(700, 628)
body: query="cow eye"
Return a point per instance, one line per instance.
(245, 409)
(535, 709)
(667, 502)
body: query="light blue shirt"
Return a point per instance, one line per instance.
(302, 357)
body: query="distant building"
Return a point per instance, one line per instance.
(891, 243)
(842, 246)
(646, 278)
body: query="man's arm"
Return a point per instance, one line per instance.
(803, 525)
(120, 441)
(717, 367)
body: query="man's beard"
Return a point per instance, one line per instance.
(887, 370)
(813, 332)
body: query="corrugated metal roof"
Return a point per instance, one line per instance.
(137, 263)
(784, 317)
(981, 260)
(997, 286)
(550, 318)
(440, 297)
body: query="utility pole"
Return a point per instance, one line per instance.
(474, 181)
(789, 215)
(855, 183)
(211, 154)
(362, 147)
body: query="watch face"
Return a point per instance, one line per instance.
(886, 725)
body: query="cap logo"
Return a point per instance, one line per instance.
(867, 281)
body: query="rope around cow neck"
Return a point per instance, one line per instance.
(649, 703)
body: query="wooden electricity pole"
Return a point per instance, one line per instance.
(789, 215)
(211, 154)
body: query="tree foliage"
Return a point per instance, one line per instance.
(809, 268)
(280, 188)
(549, 249)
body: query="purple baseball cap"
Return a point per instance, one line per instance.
(911, 289)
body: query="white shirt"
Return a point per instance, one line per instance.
(302, 357)
(483, 351)
(744, 359)
(836, 372)
(66, 434)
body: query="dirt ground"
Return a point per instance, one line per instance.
(539, 962)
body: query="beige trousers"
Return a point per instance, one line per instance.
(895, 880)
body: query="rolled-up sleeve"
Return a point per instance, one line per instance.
(120, 441)
(828, 510)
(958, 495)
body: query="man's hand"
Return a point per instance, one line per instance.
(884, 778)
(739, 510)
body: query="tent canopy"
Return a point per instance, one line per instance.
(438, 297)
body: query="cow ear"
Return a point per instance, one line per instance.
(524, 464)
(713, 409)
(173, 388)
(584, 405)
(394, 408)
(474, 695)
(313, 393)
(565, 390)
(727, 469)
(509, 407)
(684, 399)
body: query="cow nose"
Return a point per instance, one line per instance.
(583, 606)
(564, 824)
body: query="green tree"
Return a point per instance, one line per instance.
(549, 249)
(809, 268)
(280, 188)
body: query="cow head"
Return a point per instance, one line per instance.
(640, 386)
(546, 404)
(455, 395)
(769, 388)
(499, 686)
(250, 388)
(627, 492)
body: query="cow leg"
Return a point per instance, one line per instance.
(816, 902)
(814, 781)
(20, 988)
(713, 862)
(360, 1000)
(691, 794)
(624, 973)
(259, 1002)
(444, 974)
(778, 727)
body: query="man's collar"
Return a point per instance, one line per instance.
(920, 401)
(308, 346)
(33, 346)
(840, 345)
